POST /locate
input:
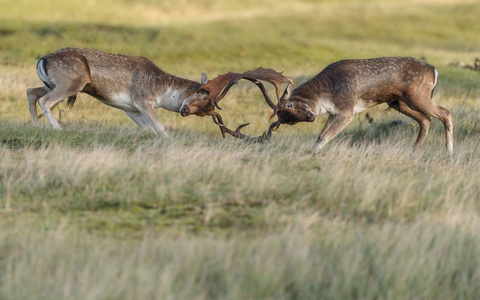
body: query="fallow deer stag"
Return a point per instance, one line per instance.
(350, 86)
(133, 84)
(218, 87)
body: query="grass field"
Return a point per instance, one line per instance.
(102, 210)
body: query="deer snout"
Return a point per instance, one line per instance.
(185, 111)
(310, 116)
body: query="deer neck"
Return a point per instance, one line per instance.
(316, 94)
(174, 91)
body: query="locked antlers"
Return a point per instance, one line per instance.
(218, 87)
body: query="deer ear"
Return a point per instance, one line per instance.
(288, 92)
(204, 78)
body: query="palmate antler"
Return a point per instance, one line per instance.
(218, 87)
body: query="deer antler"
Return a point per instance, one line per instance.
(218, 87)
(258, 139)
(271, 76)
(218, 84)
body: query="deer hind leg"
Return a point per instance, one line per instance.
(428, 107)
(33, 95)
(445, 115)
(337, 125)
(66, 88)
(48, 101)
(422, 119)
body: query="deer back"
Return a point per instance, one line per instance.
(107, 75)
(372, 81)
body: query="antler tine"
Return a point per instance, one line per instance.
(271, 76)
(266, 96)
(218, 120)
(218, 84)
(264, 91)
(273, 127)
(225, 91)
(237, 132)
(258, 139)
(266, 135)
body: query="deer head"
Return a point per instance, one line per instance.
(217, 88)
(294, 109)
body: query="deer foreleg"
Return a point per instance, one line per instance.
(338, 124)
(138, 118)
(328, 123)
(151, 119)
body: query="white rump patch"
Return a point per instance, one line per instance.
(436, 78)
(42, 74)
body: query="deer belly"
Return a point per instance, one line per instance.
(122, 101)
(363, 105)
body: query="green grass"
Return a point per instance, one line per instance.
(101, 210)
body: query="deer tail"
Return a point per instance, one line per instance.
(71, 101)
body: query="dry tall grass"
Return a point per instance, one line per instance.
(363, 218)
(422, 259)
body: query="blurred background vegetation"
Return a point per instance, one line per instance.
(186, 37)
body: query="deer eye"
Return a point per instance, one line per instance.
(289, 105)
